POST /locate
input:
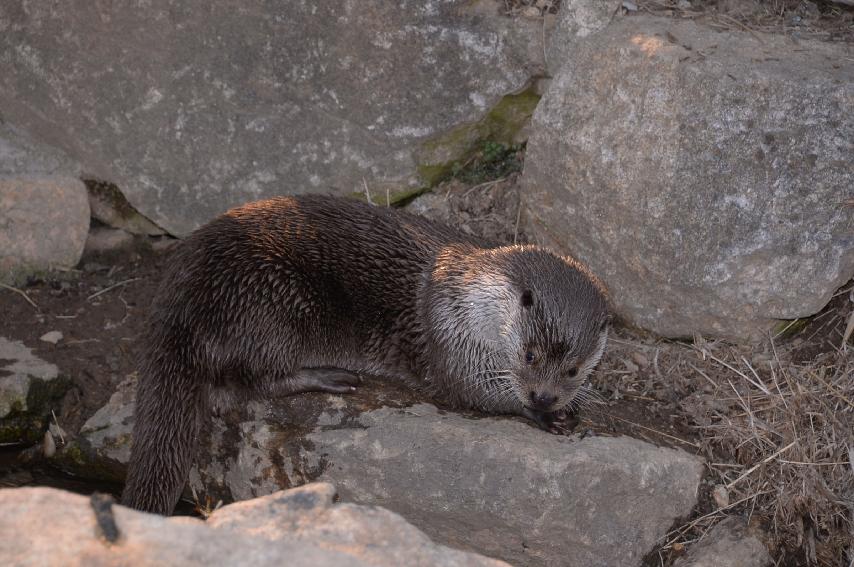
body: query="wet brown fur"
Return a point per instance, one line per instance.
(273, 287)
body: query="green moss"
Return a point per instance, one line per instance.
(73, 455)
(109, 193)
(446, 155)
(432, 175)
(790, 328)
(45, 395)
(78, 459)
(27, 425)
(13, 431)
(398, 197)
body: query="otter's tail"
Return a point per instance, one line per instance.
(169, 409)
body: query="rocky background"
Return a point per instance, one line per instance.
(696, 154)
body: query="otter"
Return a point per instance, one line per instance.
(267, 298)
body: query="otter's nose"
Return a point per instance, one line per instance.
(542, 401)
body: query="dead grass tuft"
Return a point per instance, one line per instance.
(776, 430)
(827, 20)
(786, 435)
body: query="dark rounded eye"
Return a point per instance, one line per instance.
(573, 372)
(529, 357)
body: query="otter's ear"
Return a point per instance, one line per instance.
(527, 298)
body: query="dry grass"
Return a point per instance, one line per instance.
(778, 435)
(825, 20)
(787, 439)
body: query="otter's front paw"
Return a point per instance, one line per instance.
(556, 422)
(335, 382)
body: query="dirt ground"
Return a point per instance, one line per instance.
(667, 392)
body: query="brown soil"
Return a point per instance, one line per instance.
(99, 332)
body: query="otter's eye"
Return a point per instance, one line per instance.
(527, 298)
(573, 372)
(529, 357)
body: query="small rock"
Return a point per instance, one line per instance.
(531, 12)
(48, 445)
(640, 359)
(103, 240)
(684, 5)
(728, 544)
(44, 224)
(721, 496)
(51, 337)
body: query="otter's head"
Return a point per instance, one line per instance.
(553, 325)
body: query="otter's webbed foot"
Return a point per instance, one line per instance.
(556, 422)
(331, 380)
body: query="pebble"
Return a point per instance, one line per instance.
(721, 496)
(640, 359)
(51, 337)
(48, 445)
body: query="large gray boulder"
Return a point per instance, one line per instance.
(193, 107)
(508, 490)
(44, 208)
(300, 527)
(496, 486)
(703, 175)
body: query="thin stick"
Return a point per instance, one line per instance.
(519, 215)
(653, 430)
(58, 428)
(22, 293)
(367, 191)
(689, 525)
(114, 286)
(757, 465)
(704, 375)
(740, 373)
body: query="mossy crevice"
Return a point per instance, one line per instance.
(78, 458)
(27, 422)
(788, 328)
(502, 125)
(111, 207)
